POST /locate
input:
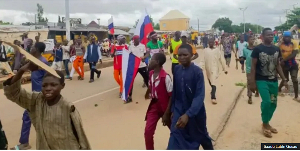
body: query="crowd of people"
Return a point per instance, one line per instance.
(178, 98)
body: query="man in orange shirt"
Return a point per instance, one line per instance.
(184, 37)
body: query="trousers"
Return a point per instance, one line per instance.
(25, 131)
(93, 69)
(268, 91)
(78, 66)
(154, 113)
(118, 78)
(66, 65)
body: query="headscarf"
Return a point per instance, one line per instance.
(120, 37)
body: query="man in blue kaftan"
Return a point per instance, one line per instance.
(188, 123)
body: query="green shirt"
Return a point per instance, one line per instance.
(247, 54)
(154, 48)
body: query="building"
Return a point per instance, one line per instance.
(174, 20)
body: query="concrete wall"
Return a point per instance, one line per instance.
(175, 24)
(11, 36)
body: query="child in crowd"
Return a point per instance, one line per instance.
(160, 87)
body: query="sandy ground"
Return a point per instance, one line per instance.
(114, 125)
(244, 132)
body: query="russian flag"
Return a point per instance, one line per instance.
(130, 66)
(111, 26)
(143, 28)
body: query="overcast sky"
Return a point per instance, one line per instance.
(126, 12)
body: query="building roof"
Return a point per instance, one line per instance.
(174, 14)
(120, 32)
(77, 29)
(93, 24)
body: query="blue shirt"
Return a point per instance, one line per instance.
(58, 53)
(37, 77)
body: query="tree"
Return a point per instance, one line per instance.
(223, 24)
(40, 13)
(5, 23)
(136, 22)
(157, 27)
(59, 19)
(292, 18)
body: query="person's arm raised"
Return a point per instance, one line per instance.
(14, 92)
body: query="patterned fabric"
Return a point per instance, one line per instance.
(58, 127)
(227, 45)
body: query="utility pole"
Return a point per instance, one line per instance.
(257, 27)
(198, 26)
(34, 21)
(286, 13)
(67, 21)
(244, 9)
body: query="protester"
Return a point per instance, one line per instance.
(36, 85)
(117, 52)
(139, 50)
(188, 128)
(240, 45)
(66, 57)
(264, 69)
(77, 53)
(92, 56)
(205, 41)
(174, 43)
(212, 57)
(3, 60)
(154, 46)
(184, 37)
(58, 57)
(49, 110)
(26, 41)
(18, 58)
(227, 48)
(160, 87)
(247, 56)
(289, 65)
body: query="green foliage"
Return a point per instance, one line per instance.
(226, 25)
(293, 17)
(223, 24)
(241, 84)
(5, 23)
(40, 13)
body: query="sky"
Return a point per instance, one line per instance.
(125, 12)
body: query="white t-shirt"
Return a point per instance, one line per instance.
(138, 51)
(168, 82)
(241, 47)
(66, 55)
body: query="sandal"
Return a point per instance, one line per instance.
(296, 99)
(214, 101)
(266, 132)
(273, 130)
(250, 101)
(21, 147)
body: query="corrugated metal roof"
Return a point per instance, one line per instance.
(120, 32)
(77, 29)
(174, 14)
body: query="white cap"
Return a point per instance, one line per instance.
(184, 33)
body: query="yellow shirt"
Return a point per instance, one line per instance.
(174, 44)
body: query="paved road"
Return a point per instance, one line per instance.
(112, 124)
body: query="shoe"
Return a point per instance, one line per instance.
(92, 80)
(70, 78)
(98, 75)
(214, 101)
(120, 94)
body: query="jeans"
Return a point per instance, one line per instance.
(66, 64)
(25, 131)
